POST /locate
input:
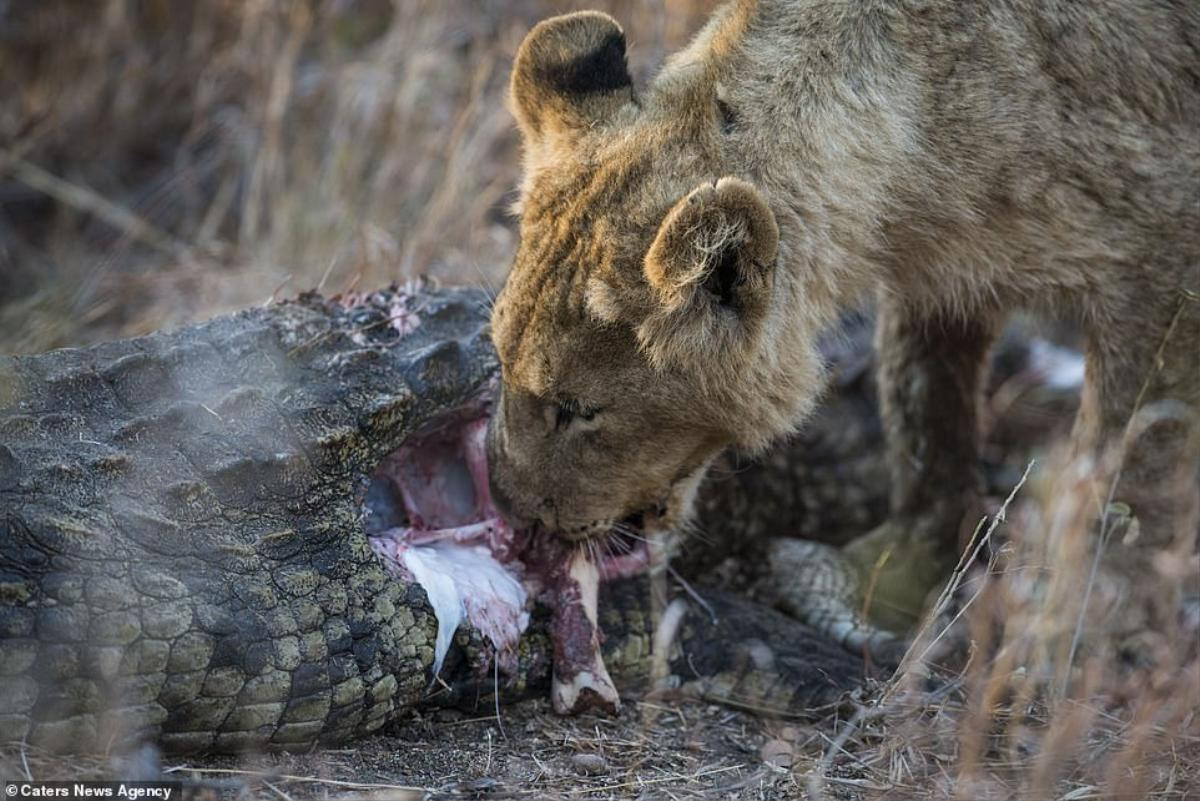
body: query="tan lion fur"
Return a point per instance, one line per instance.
(683, 245)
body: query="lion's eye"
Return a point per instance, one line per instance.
(565, 416)
(568, 411)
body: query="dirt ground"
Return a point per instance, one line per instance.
(662, 749)
(653, 750)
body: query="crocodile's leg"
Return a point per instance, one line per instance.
(930, 373)
(817, 585)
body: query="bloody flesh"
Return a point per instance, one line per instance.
(432, 520)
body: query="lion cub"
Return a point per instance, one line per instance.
(683, 244)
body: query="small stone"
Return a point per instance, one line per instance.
(777, 753)
(589, 764)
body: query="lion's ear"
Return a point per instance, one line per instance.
(710, 270)
(570, 74)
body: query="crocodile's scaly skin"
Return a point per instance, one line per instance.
(182, 554)
(180, 545)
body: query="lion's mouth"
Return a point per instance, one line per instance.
(620, 549)
(430, 517)
(626, 548)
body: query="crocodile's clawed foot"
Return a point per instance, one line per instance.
(899, 566)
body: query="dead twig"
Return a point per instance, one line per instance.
(88, 200)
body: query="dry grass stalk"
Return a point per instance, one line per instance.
(1027, 715)
(170, 164)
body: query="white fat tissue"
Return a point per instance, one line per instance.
(1061, 368)
(465, 581)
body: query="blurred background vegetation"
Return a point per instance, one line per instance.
(164, 161)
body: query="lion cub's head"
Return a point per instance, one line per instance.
(638, 330)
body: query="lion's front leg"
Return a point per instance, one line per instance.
(931, 368)
(1139, 426)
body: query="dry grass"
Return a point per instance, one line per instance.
(161, 162)
(1000, 701)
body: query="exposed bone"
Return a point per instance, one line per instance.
(581, 681)
(474, 450)
(665, 635)
(493, 531)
